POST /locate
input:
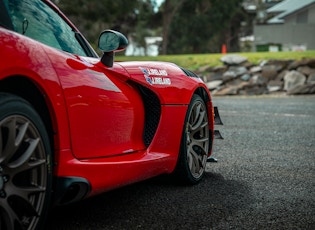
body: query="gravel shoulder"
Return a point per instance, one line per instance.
(264, 179)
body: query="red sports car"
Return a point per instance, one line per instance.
(73, 125)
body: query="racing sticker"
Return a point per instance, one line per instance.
(156, 76)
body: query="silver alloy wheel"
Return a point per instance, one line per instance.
(197, 142)
(23, 173)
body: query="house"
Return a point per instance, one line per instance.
(290, 26)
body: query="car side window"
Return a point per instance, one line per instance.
(35, 19)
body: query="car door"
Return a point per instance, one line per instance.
(106, 114)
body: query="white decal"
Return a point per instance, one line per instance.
(157, 72)
(161, 81)
(156, 80)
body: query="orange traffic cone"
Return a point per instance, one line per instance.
(223, 49)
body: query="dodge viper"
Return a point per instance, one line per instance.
(74, 125)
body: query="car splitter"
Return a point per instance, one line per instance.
(217, 134)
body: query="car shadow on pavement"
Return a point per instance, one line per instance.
(157, 204)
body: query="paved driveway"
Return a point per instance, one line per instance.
(265, 178)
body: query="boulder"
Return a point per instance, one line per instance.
(306, 70)
(231, 90)
(311, 62)
(221, 69)
(234, 72)
(303, 62)
(246, 77)
(235, 82)
(232, 59)
(275, 85)
(228, 76)
(226, 91)
(213, 76)
(255, 69)
(281, 64)
(311, 78)
(214, 84)
(293, 79)
(269, 72)
(281, 75)
(302, 89)
(258, 80)
(253, 90)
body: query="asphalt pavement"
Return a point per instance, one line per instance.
(264, 178)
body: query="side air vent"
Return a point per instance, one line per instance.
(152, 109)
(189, 73)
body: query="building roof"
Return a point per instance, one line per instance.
(287, 7)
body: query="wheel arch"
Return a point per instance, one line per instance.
(206, 97)
(28, 90)
(203, 94)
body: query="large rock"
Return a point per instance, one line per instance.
(274, 86)
(258, 80)
(280, 63)
(303, 62)
(270, 72)
(281, 75)
(231, 90)
(213, 76)
(293, 79)
(226, 91)
(253, 90)
(233, 59)
(306, 70)
(214, 84)
(311, 78)
(234, 72)
(255, 69)
(303, 89)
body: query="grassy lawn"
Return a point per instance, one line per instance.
(194, 61)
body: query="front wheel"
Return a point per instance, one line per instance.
(194, 149)
(25, 165)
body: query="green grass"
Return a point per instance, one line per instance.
(195, 61)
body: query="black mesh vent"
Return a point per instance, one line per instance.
(152, 109)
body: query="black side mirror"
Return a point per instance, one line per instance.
(109, 42)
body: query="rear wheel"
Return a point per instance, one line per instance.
(25, 165)
(192, 158)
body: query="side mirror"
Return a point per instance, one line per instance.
(109, 42)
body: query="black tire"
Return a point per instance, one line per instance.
(192, 158)
(25, 166)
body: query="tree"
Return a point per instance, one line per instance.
(202, 26)
(169, 9)
(93, 16)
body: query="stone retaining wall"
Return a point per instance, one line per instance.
(239, 77)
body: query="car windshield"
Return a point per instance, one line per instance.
(37, 20)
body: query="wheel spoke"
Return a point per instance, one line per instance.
(23, 159)
(8, 126)
(199, 118)
(195, 165)
(21, 133)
